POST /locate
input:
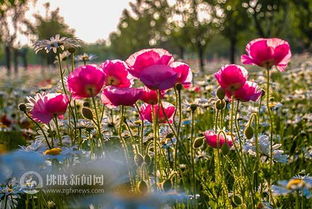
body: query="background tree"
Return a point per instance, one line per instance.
(232, 21)
(269, 17)
(192, 25)
(140, 27)
(303, 21)
(12, 25)
(47, 26)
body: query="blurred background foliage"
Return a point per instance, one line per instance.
(201, 30)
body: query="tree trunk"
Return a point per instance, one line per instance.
(15, 60)
(181, 52)
(200, 52)
(258, 26)
(8, 59)
(233, 42)
(23, 54)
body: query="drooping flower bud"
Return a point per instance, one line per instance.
(179, 86)
(220, 104)
(249, 132)
(139, 159)
(142, 187)
(22, 107)
(220, 93)
(87, 113)
(193, 107)
(198, 142)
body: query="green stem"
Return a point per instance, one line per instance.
(178, 138)
(142, 128)
(58, 130)
(237, 125)
(72, 62)
(155, 128)
(216, 121)
(123, 142)
(45, 136)
(193, 156)
(61, 72)
(98, 124)
(271, 128)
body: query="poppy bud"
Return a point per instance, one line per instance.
(22, 107)
(147, 159)
(220, 93)
(170, 135)
(236, 201)
(262, 93)
(248, 132)
(167, 185)
(179, 86)
(220, 104)
(139, 159)
(142, 187)
(198, 142)
(193, 107)
(87, 113)
(86, 104)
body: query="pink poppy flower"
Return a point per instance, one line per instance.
(146, 112)
(160, 77)
(116, 74)
(267, 52)
(152, 67)
(114, 96)
(213, 141)
(46, 106)
(184, 73)
(85, 81)
(148, 57)
(231, 77)
(249, 92)
(150, 96)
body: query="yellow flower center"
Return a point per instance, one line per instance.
(110, 80)
(91, 90)
(53, 151)
(295, 183)
(272, 104)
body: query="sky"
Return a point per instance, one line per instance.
(91, 19)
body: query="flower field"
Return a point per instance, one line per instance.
(152, 132)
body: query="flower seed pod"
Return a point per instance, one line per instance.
(139, 160)
(86, 104)
(22, 107)
(167, 185)
(220, 104)
(198, 142)
(193, 107)
(179, 86)
(170, 135)
(236, 201)
(249, 132)
(262, 93)
(87, 113)
(142, 187)
(220, 93)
